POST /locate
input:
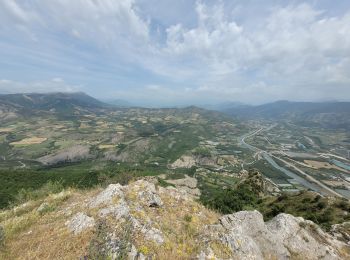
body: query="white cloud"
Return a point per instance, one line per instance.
(283, 52)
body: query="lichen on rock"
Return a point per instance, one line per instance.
(80, 222)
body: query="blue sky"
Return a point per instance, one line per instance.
(165, 52)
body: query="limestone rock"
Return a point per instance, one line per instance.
(134, 255)
(147, 194)
(155, 235)
(118, 211)
(107, 195)
(151, 233)
(80, 222)
(283, 237)
(184, 161)
(342, 232)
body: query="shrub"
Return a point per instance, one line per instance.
(232, 200)
(188, 218)
(321, 205)
(50, 187)
(202, 151)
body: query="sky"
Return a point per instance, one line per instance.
(166, 52)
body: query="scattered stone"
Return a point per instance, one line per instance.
(155, 235)
(207, 254)
(134, 255)
(43, 207)
(107, 195)
(80, 222)
(118, 211)
(148, 194)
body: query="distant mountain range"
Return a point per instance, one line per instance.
(118, 102)
(64, 105)
(324, 114)
(321, 114)
(49, 100)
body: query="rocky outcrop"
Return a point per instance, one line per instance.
(284, 237)
(118, 211)
(187, 185)
(342, 232)
(147, 194)
(243, 235)
(80, 222)
(145, 221)
(184, 161)
(106, 196)
(259, 184)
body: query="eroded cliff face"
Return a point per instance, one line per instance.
(143, 221)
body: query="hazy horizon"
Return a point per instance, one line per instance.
(178, 53)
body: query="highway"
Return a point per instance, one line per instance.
(303, 178)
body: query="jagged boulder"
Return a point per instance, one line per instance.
(107, 195)
(80, 222)
(342, 232)
(155, 235)
(118, 211)
(134, 255)
(147, 194)
(284, 237)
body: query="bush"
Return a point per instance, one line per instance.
(232, 200)
(50, 187)
(202, 151)
(321, 205)
(344, 205)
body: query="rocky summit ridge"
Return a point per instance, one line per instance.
(145, 221)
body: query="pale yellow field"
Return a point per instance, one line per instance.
(30, 140)
(335, 183)
(106, 146)
(325, 165)
(5, 130)
(83, 126)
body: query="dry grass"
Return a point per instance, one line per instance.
(29, 141)
(106, 146)
(324, 165)
(181, 222)
(6, 130)
(31, 235)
